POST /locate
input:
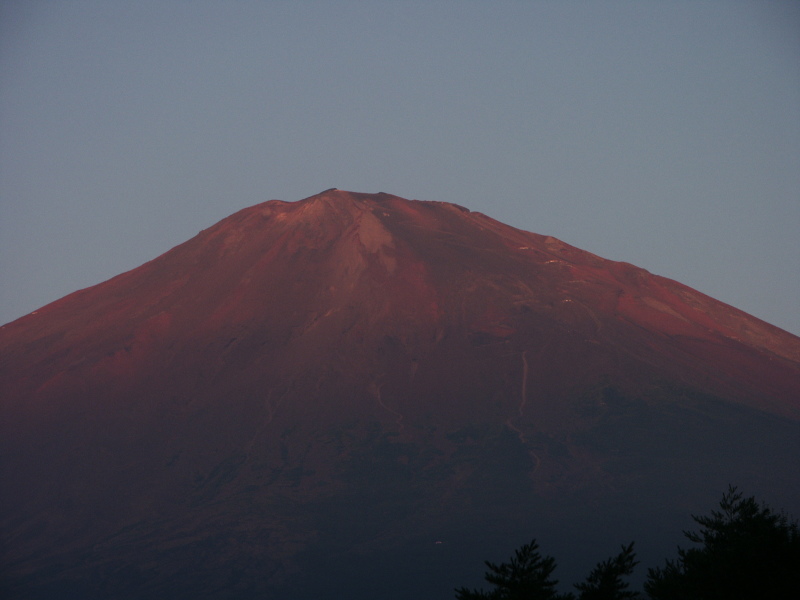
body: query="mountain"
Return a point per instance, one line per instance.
(356, 395)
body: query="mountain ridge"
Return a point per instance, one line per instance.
(348, 375)
(675, 310)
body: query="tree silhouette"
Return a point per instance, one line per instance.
(525, 577)
(747, 551)
(606, 582)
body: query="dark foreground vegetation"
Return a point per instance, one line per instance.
(743, 550)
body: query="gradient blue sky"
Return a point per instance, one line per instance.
(665, 134)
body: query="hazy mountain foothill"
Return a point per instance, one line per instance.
(361, 396)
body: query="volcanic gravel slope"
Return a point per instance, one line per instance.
(364, 395)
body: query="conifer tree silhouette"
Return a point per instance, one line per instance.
(525, 577)
(747, 551)
(606, 581)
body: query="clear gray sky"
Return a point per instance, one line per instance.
(665, 134)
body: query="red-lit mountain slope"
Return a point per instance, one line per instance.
(337, 380)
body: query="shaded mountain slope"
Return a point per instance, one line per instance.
(348, 379)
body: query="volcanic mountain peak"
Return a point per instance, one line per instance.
(340, 380)
(352, 270)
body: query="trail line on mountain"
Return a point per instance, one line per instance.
(524, 381)
(597, 323)
(521, 408)
(376, 391)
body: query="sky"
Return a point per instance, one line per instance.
(663, 134)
